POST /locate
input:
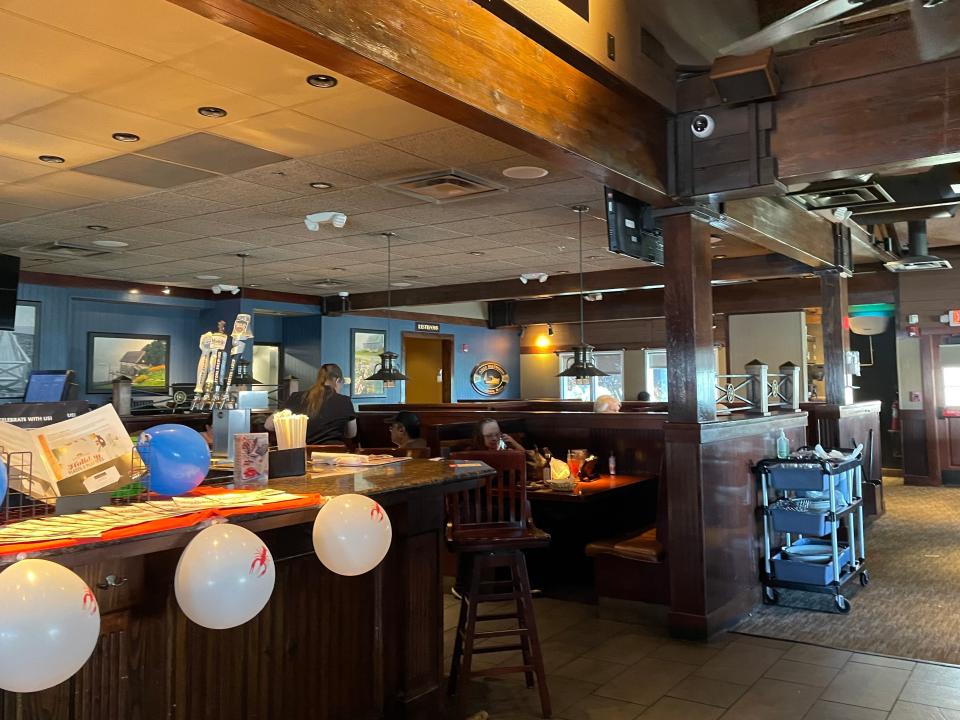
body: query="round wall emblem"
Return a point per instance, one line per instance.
(489, 378)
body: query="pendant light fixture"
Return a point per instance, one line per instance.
(582, 369)
(387, 371)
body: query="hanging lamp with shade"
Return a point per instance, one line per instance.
(388, 371)
(582, 368)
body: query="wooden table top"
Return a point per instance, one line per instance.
(587, 491)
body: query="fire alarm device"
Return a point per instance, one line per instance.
(913, 331)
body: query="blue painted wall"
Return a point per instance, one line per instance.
(67, 314)
(500, 345)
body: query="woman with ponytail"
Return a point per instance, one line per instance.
(332, 418)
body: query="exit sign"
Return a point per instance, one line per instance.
(428, 327)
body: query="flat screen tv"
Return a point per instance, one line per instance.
(631, 228)
(9, 279)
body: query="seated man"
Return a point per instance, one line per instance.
(405, 431)
(643, 396)
(606, 404)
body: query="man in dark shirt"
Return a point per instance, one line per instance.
(405, 431)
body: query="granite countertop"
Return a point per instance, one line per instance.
(380, 480)
(385, 482)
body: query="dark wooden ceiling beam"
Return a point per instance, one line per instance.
(756, 267)
(768, 296)
(455, 59)
(869, 104)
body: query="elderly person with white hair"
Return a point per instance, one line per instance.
(606, 404)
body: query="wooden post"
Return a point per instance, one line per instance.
(836, 338)
(688, 307)
(759, 373)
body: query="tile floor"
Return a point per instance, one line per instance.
(606, 670)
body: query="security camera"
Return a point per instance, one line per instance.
(232, 289)
(528, 276)
(337, 219)
(703, 126)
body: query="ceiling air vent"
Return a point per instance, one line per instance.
(850, 196)
(322, 284)
(66, 250)
(922, 262)
(444, 187)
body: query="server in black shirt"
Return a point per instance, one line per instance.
(332, 418)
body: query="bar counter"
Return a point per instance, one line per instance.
(324, 647)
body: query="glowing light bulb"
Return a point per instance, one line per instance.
(542, 341)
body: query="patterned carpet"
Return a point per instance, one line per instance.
(910, 609)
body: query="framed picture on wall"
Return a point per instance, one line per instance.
(366, 346)
(145, 359)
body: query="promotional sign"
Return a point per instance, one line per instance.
(33, 415)
(489, 378)
(428, 327)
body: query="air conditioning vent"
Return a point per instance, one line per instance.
(66, 250)
(322, 284)
(443, 187)
(869, 194)
(917, 263)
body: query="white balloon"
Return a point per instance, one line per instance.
(351, 534)
(49, 625)
(225, 577)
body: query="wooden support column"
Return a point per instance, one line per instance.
(688, 308)
(836, 338)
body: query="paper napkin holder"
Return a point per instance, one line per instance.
(287, 463)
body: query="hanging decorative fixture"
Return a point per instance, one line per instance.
(582, 368)
(387, 371)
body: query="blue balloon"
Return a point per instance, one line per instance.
(3, 480)
(177, 458)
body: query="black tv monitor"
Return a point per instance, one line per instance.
(9, 280)
(631, 228)
(49, 386)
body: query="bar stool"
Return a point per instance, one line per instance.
(489, 527)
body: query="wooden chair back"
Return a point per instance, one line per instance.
(501, 502)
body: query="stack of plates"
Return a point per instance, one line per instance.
(811, 552)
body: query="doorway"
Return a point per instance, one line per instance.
(267, 367)
(428, 364)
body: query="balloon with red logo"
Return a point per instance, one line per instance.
(49, 626)
(225, 576)
(351, 534)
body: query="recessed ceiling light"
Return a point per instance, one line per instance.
(110, 243)
(337, 269)
(401, 284)
(134, 291)
(207, 277)
(410, 277)
(715, 239)
(253, 285)
(321, 185)
(125, 137)
(321, 81)
(211, 112)
(525, 172)
(561, 272)
(53, 159)
(97, 227)
(719, 257)
(477, 253)
(593, 257)
(166, 290)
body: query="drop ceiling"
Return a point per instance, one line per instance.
(195, 191)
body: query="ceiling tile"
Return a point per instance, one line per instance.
(374, 161)
(210, 152)
(90, 186)
(434, 214)
(20, 96)
(198, 227)
(265, 238)
(493, 169)
(421, 251)
(295, 177)
(171, 95)
(244, 219)
(290, 133)
(26, 233)
(566, 192)
(12, 170)
(94, 122)
(544, 217)
(454, 146)
(203, 248)
(176, 204)
(481, 226)
(144, 171)
(60, 60)
(261, 70)
(236, 193)
(26, 194)
(28, 144)
(153, 30)
(422, 234)
(373, 113)
(146, 236)
(10, 212)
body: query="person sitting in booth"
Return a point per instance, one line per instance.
(643, 396)
(405, 431)
(487, 436)
(332, 418)
(606, 404)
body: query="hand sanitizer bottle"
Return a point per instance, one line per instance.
(612, 464)
(783, 446)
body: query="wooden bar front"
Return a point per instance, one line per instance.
(325, 646)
